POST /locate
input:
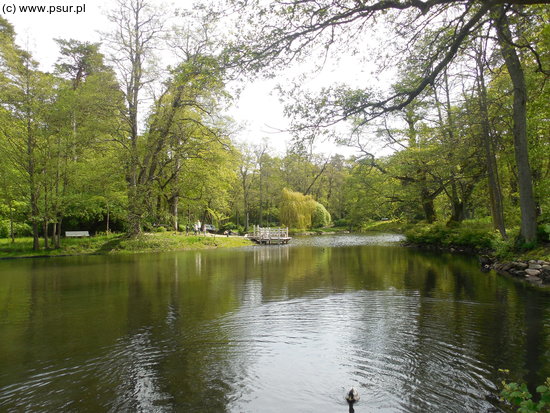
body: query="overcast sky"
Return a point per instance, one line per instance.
(258, 109)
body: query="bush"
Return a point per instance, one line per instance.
(342, 222)
(543, 233)
(518, 396)
(320, 217)
(20, 229)
(439, 234)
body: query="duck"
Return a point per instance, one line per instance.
(352, 396)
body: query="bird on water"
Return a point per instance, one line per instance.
(352, 397)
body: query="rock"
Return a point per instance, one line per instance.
(521, 265)
(519, 273)
(532, 272)
(535, 266)
(546, 267)
(534, 280)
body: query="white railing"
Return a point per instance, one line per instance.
(269, 233)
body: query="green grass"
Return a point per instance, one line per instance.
(384, 226)
(119, 243)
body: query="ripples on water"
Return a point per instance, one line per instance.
(264, 329)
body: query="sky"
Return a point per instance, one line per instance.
(258, 110)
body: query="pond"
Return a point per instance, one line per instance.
(266, 329)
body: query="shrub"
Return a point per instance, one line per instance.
(342, 222)
(320, 217)
(543, 233)
(518, 396)
(439, 234)
(20, 229)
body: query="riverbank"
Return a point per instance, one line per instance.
(392, 226)
(478, 238)
(120, 244)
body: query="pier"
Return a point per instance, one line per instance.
(269, 236)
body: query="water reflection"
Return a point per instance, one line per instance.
(271, 329)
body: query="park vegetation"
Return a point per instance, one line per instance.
(112, 140)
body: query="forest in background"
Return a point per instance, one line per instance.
(94, 146)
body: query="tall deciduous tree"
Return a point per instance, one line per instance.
(26, 96)
(186, 124)
(133, 42)
(84, 120)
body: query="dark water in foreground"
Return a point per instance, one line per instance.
(265, 329)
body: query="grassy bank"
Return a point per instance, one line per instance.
(371, 226)
(478, 237)
(118, 243)
(384, 226)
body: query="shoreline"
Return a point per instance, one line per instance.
(529, 270)
(536, 272)
(119, 244)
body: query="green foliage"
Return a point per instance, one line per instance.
(87, 172)
(320, 217)
(544, 233)
(20, 229)
(519, 396)
(440, 234)
(296, 210)
(341, 223)
(384, 226)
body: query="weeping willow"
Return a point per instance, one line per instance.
(296, 209)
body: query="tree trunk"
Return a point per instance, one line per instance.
(134, 209)
(428, 206)
(34, 196)
(458, 212)
(107, 219)
(175, 203)
(58, 233)
(495, 193)
(45, 230)
(175, 195)
(12, 235)
(528, 232)
(261, 218)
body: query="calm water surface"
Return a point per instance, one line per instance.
(265, 329)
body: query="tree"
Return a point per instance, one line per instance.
(27, 95)
(286, 31)
(487, 137)
(296, 209)
(519, 116)
(84, 121)
(133, 42)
